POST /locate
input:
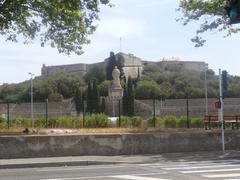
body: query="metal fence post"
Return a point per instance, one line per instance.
(154, 112)
(46, 113)
(119, 113)
(8, 115)
(83, 113)
(188, 122)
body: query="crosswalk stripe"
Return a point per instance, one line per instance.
(209, 170)
(221, 175)
(202, 167)
(135, 177)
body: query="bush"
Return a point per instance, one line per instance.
(170, 121)
(96, 121)
(3, 125)
(126, 121)
(182, 122)
(197, 122)
(21, 121)
(136, 121)
(159, 121)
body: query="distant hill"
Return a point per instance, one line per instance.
(158, 79)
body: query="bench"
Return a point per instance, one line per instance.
(208, 120)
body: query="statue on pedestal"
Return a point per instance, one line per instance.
(115, 92)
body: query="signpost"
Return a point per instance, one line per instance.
(220, 110)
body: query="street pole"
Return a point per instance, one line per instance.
(221, 110)
(31, 74)
(47, 113)
(206, 92)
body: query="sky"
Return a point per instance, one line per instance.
(148, 29)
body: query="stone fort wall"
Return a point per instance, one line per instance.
(132, 66)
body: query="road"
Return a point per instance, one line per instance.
(165, 170)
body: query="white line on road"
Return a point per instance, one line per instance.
(221, 175)
(68, 168)
(210, 170)
(135, 177)
(203, 167)
(96, 177)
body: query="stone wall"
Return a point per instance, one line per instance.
(115, 144)
(49, 70)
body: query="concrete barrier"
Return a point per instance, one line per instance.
(125, 144)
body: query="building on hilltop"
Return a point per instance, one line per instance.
(189, 65)
(130, 64)
(49, 70)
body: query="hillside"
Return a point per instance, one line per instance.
(158, 81)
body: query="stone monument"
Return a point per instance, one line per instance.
(115, 92)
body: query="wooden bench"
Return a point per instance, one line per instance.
(208, 120)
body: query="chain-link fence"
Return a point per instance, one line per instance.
(147, 113)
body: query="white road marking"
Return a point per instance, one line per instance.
(209, 170)
(221, 175)
(96, 177)
(135, 177)
(232, 179)
(203, 167)
(68, 168)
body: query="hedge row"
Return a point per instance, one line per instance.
(101, 121)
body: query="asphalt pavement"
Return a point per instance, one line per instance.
(181, 166)
(124, 159)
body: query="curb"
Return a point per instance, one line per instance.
(61, 164)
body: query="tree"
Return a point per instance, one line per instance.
(95, 97)
(78, 99)
(112, 62)
(147, 89)
(63, 24)
(211, 13)
(125, 101)
(103, 105)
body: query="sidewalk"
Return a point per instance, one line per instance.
(128, 159)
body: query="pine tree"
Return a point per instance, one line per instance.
(131, 97)
(103, 105)
(125, 101)
(78, 99)
(111, 65)
(95, 97)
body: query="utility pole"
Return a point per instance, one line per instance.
(31, 75)
(220, 111)
(206, 92)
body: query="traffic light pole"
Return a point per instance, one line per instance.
(220, 113)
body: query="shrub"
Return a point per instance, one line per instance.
(21, 121)
(170, 121)
(3, 125)
(159, 121)
(98, 120)
(182, 121)
(126, 121)
(197, 122)
(136, 121)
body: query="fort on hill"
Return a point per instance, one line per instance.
(131, 65)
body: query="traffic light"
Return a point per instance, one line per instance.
(224, 80)
(233, 11)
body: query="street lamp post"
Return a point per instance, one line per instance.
(206, 91)
(31, 75)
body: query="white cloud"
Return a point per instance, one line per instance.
(122, 27)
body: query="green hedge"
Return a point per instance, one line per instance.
(101, 121)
